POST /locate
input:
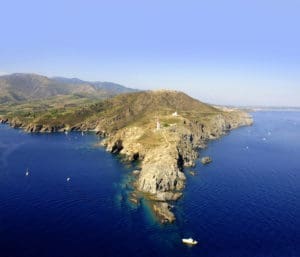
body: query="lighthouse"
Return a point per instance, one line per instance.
(157, 124)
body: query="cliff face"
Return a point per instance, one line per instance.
(162, 129)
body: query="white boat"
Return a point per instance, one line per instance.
(189, 241)
(27, 172)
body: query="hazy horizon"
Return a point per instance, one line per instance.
(227, 53)
(212, 103)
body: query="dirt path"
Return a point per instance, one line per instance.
(165, 137)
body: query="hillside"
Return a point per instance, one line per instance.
(162, 129)
(112, 114)
(20, 87)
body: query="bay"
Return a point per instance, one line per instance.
(245, 203)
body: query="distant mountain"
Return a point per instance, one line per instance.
(107, 86)
(20, 87)
(114, 87)
(74, 81)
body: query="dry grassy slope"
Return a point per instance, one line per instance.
(125, 116)
(140, 108)
(162, 101)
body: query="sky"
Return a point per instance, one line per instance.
(223, 52)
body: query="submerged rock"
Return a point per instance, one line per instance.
(193, 173)
(206, 160)
(134, 200)
(162, 210)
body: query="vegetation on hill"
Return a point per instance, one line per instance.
(21, 87)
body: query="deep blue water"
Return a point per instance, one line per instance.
(245, 203)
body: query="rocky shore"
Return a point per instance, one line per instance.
(146, 127)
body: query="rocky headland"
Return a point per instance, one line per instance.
(163, 130)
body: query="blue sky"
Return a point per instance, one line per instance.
(224, 52)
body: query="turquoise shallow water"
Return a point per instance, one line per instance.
(245, 203)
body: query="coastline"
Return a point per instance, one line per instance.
(163, 152)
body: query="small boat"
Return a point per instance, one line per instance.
(68, 179)
(189, 241)
(27, 172)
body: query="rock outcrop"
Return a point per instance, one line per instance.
(3, 121)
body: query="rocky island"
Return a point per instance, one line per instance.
(163, 130)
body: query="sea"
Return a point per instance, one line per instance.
(74, 199)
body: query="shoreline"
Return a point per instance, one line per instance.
(141, 128)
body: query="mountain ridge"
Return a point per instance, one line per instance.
(18, 87)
